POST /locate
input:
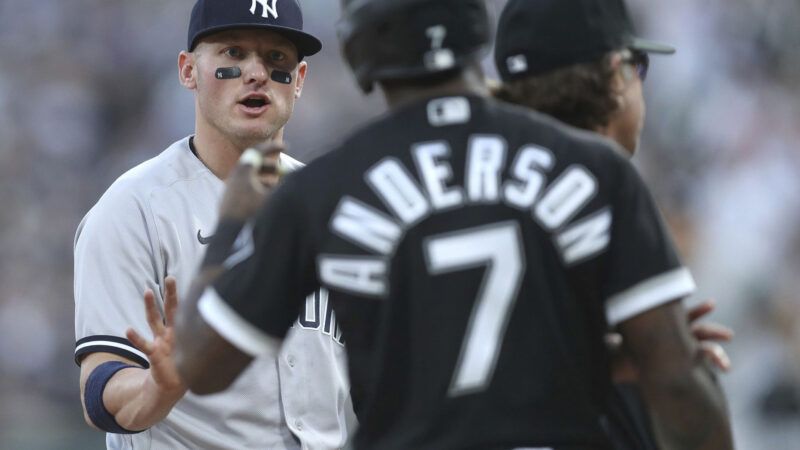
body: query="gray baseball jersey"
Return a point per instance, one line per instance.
(155, 221)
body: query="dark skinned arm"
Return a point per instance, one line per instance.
(206, 361)
(687, 404)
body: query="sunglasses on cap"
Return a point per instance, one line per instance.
(639, 60)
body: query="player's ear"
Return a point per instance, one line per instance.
(618, 79)
(302, 68)
(187, 69)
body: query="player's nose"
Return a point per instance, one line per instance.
(255, 71)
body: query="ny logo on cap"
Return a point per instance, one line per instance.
(267, 7)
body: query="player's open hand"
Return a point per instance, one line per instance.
(160, 350)
(708, 334)
(253, 178)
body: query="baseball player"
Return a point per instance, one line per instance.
(475, 254)
(588, 72)
(147, 236)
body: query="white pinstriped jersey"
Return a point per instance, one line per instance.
(153, 222)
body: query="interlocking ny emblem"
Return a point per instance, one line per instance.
(267, 7)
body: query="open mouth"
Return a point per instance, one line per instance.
(254, 102)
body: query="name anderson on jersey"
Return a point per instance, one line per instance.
(552, 206)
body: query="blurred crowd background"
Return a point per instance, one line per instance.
(89, 88)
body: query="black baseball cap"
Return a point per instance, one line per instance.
(537, 36)
(281, 16)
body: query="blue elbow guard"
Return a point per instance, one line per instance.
(93, 397)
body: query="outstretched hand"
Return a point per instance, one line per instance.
(708, 334)
(160, 350)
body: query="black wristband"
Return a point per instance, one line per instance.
(93, 397)
(222, 242)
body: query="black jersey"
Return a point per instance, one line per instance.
(475, 253)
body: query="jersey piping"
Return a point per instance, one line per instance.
(648, 294)
(239, 332)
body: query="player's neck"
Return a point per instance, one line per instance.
(219, 154)
(619, 135)
(470, 82)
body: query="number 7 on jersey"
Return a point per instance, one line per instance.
(497, 247)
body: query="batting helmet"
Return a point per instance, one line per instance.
(410, 39)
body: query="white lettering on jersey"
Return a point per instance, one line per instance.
(498, 249)
(528, 180)
(487, 179)
(395, 187)
(435, 173)
(268, 7)
(359, 275)
(585, 238)
(486, 157)
(565, 197)
(363, 225)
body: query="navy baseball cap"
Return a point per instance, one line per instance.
(537, 36)
(281, 16)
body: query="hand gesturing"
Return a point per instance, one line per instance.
(253, 178)
(708, 335)
(160, 350)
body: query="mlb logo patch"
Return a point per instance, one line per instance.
(448, 111)
(517, 64)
